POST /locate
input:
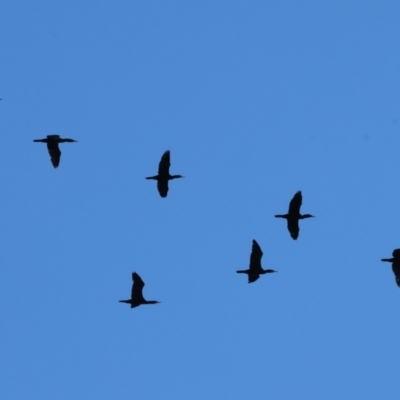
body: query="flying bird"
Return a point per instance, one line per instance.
(163, 174)
(52, 142)
(255, 268)
(395, 260)
(137, 293)
(294, 215)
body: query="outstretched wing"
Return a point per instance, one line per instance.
(255, 258)
(295, 203)
(253, 277)
(137, 287)
(396, 271)
(54, 152)
(162, 186)
(163, 167)
(293, 228)
(396, 254)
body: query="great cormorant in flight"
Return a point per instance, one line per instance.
(255, 268)
(52, 146)
(395, 260)
(163, 174)
(137, 296)
(294, 215)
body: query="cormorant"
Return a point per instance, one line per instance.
(294, 215)
(255, 268)
(52, 146)
(137, 296)
(163, 174)
(395, 260)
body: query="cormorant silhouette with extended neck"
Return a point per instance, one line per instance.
(395, 260)
(163, 174)
(52, 146)
(137, 298)
(255, 268)
(294, 215)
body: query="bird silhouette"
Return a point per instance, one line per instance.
(293, 216)
(255, 268)
(52, 146)
(395, 260)
(137, 293)
(163, 174)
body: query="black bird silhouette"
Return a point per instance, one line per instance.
(52, 146)
(163, 174)
(255, 268)
(395, 260)
(294, 215)
(137, 296)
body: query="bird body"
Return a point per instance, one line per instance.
(293, 216)
(52, 142)
(395, 260)
(255, 268)
(137, 298)
(163, 174)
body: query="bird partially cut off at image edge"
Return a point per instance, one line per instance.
(137, 298)
(163, 174)
(395, 260)
(255, 268)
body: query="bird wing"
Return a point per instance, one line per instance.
(293, 228)
(255, 257)
(396, 253)
(54, 152)
(295, 203)
(253, 277)
(163, 167)
(137, 287)
(162, 186)
(396, 271)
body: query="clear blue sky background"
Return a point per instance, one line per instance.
(255, 100)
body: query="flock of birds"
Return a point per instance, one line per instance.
(293, 216)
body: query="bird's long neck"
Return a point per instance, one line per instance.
(60, 140)
(305, 216)
(175, 176)
(388, 259)
(282, 216)
(150, 302)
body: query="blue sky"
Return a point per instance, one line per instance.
(255, 100)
